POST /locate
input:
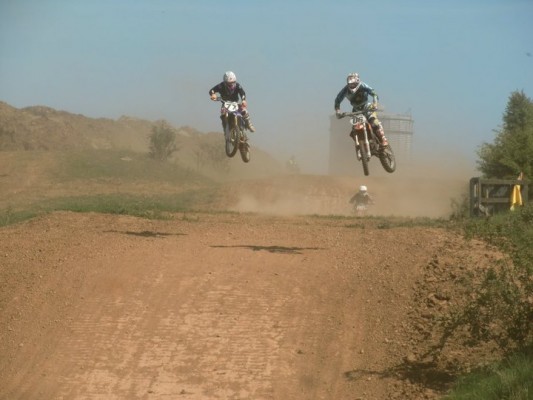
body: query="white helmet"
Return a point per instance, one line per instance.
(230, 80)
(362, 188)
(229, 77)
(353, 82)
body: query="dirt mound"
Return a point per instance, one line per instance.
(221, 306)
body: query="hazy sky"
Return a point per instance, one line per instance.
(451, 64)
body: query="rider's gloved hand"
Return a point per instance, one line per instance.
(338, 114)
(374, 106)
(244, 104)
(213, 96)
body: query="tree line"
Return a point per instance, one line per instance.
(511, 153)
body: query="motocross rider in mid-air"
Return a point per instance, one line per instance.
(230, 90)
(357, 93)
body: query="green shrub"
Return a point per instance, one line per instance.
(162, 141)
(501, 306)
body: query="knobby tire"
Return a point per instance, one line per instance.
(364, 160)
(232, 142)
(388, 161)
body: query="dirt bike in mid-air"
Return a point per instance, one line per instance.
(235, 130)
(366, 142)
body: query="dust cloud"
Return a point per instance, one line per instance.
(424, 188)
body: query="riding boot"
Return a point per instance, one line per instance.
(248, 123)
(378, 131)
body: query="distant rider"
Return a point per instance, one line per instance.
(230, 90)
(362, 197)
(357, 93)
(292, 165)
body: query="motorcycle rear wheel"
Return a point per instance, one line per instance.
(388, 161)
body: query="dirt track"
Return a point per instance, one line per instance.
(207, 306)
(220, 305)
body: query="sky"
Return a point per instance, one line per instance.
(451, 64)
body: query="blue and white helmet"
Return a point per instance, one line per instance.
(353, 81)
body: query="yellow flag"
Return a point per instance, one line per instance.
(516, 197)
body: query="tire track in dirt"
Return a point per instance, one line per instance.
(171, 332)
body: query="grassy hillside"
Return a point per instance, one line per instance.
(40, 128)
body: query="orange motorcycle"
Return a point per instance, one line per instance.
(366, 142)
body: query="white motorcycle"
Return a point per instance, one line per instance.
(235, 131)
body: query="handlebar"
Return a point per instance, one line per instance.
(367, 108)
(225, 101)
(349, 114)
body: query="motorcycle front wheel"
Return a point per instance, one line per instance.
(232, 139)
(364, 159)
(244, 148)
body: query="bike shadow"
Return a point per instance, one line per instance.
(272, 249)
(426, 374)
(147, 234)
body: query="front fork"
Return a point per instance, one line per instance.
(362, 150)
(231, 120)
(226, 126)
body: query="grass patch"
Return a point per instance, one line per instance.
(331, 216)
(137, 205)
(511, 379)
(384, 222)
(123, 165)
(9, 216)
(381, 222)
(151, 207)
(106, 169)
(356, 226)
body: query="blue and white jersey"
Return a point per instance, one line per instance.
(357, 99)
